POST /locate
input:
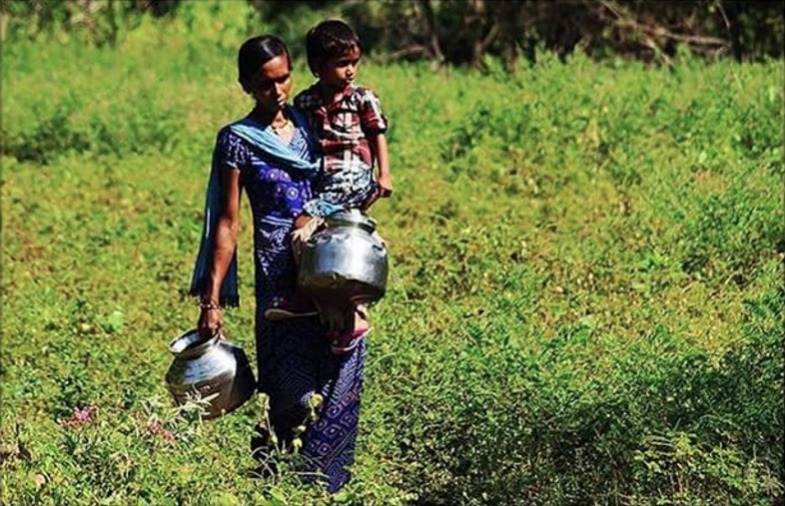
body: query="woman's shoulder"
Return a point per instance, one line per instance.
(226, 138)
(229, 132)
(231, 148)
(224, 131)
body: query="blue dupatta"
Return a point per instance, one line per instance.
(271, 149)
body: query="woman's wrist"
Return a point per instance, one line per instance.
(206, 303)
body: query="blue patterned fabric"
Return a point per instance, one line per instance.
(293, 356)
(269, 147)
(339, 190)
(294, 363)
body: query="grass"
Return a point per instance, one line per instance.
(584, 305)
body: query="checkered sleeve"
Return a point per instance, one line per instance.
(372, 120)
(306, 99)
(300, 101)
(307, 102)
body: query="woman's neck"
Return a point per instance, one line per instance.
(274, 118)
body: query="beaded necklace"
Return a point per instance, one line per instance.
(286, 126)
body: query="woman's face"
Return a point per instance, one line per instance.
(271, 84)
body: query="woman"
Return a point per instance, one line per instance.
(271, 154)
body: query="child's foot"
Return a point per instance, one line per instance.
(297, 306)
(344, 341)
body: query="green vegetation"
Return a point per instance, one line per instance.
(585, 301)
(456, 32)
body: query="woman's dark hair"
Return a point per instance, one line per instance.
(257, 51)
(327, 40)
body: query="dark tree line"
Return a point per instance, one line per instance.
(462, 32)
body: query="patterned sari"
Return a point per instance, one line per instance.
(293, 356)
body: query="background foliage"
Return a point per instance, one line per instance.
(459, 31)
(585, 302)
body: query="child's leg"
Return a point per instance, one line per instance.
(296, 305)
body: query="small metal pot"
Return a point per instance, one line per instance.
(210, 368)
(345, 260)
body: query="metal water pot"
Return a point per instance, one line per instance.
(212, 369)
(345, 260)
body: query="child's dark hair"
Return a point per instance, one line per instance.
(257, 51)
(327, 40)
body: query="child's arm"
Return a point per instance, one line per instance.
(378, 144)
(374, 125)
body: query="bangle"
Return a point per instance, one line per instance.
(208, 304)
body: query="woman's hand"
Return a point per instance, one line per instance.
(302, 232)
(210, 322)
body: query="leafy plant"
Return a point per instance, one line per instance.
(584, 303)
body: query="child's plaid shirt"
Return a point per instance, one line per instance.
(343, 127)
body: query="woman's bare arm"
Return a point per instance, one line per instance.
(227, 229)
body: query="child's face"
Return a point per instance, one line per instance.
(339, 71)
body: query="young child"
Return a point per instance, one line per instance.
(349, 123)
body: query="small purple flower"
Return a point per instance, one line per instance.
(80, 416)
(155, 428)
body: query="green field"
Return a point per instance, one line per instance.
(585, 302)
